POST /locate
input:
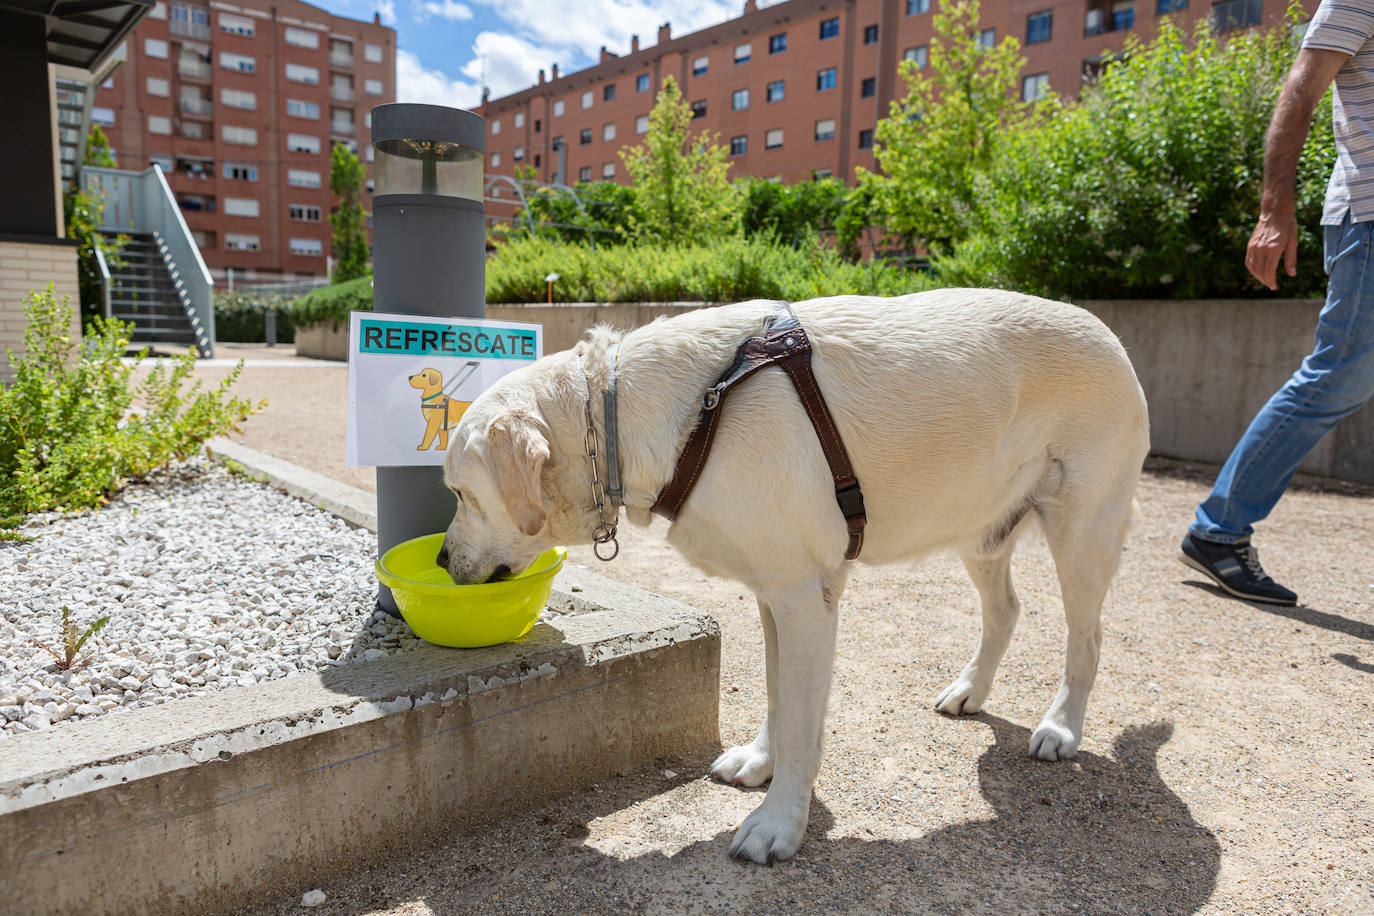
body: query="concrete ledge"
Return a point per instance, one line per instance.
(355, 506)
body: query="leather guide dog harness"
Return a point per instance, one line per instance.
(784, 344)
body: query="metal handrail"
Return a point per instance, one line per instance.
(106, 283)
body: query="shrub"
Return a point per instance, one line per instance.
(68, 436)
(1149, 186)
(332, 303)
(241, 316)
(794, 213)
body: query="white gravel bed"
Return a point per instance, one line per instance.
(210, 581)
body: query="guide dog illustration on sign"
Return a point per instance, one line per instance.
(441, 411)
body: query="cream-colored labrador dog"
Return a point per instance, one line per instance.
(968, 415)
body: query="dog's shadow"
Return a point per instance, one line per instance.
(1103, 836)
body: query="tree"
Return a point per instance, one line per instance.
(350, 239)
(98, 150)
(792, 214)
(680, 182)
(942, 134)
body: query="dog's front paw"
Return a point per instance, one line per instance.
(1053, 742)
(963, 697)
(746, 765)
(766, 837)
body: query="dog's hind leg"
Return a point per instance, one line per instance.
(991, 575)
(752, 764)
(1085, 536)
(806, 618)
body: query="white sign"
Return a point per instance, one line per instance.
(411, 377)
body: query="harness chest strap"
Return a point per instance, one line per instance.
(784, 343)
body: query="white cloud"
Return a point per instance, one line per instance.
(448, 9)
(387, 10)
(608, 22)
(507, 63)
(415, 83)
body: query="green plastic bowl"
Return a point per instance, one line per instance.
(464, 616)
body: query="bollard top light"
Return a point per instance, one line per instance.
(428, 149)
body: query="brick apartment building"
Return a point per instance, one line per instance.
(240, 105)
(796, 89)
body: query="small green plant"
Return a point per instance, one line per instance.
(73, 639)
(238, 470)
(70, 433)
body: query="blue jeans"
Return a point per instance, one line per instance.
(1333, 382)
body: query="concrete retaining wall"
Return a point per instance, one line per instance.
(1206, 365)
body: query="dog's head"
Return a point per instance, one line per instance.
(426, 378)
(494, 467)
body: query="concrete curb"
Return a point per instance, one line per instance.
(355, 506)
(213, 804)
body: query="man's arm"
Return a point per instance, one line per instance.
(1276, 235)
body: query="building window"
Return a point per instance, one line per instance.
(495, 127)
(587, 99)
(299, 73)
(868, 88)
(241, 206)
(584, 173)
(372, 54)
(518, 154)
(822, 174)
(1165, 7)
(1038, 27)
(608, 132)
(155, 47)
(916, 7)
(743, 53)
(699, 108)
(642, 124)
(918, 55)
(739, 145)
(538, 124)
(519, 120)
(159, 125)
(642, 83)
(825, 79)
(236, 241)
(243, 136)
(164, 162)
(303, 213)
(825, 129)
(739, 100)
(772, 139)
(307, 247)
(870, 34)
(700, 64)
(777, 43)
(372, 87)
(776, 91)
(238, 98)
(240, 62)
(302, 38)
(607, 93)
(558, 108)
(236, 25)
(865, 139)
(608, 170)
(240, 171)
(584, 136)
(302, 143)
(159, 87)
(988, 38)
(105, 117)
(1034, 86)
(303, 178)
(299, 108)
(830, 27)
(1228, 15)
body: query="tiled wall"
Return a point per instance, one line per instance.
(25, 266)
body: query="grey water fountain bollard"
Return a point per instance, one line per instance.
(429, 258)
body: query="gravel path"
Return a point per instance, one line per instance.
(210, 581)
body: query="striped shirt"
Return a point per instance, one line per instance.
(1348, 26)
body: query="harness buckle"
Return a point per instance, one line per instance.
(851, 500)
(711, 399)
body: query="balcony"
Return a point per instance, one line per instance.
(202, 107)
(192, 130)
(1109, 17)
(342, 93)
(341, 128)
(341, 60)
(189, 29)
(197, 70)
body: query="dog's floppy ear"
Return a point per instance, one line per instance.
(517, 450)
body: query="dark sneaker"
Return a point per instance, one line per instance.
(1236, 568)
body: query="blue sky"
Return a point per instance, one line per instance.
(448, 49)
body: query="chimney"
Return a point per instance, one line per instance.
(605, 55)
(541, 77)
(486, 94)
(665, 32)
(555, 72)
(376, 18)
(634, 43)
(751, 6)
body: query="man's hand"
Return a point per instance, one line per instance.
(1275, 237)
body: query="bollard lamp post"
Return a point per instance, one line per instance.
(428, 257)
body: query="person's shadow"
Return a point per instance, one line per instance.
(1103, 836)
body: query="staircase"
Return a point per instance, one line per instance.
(146, 291)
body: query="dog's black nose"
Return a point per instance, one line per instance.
(442, 558)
